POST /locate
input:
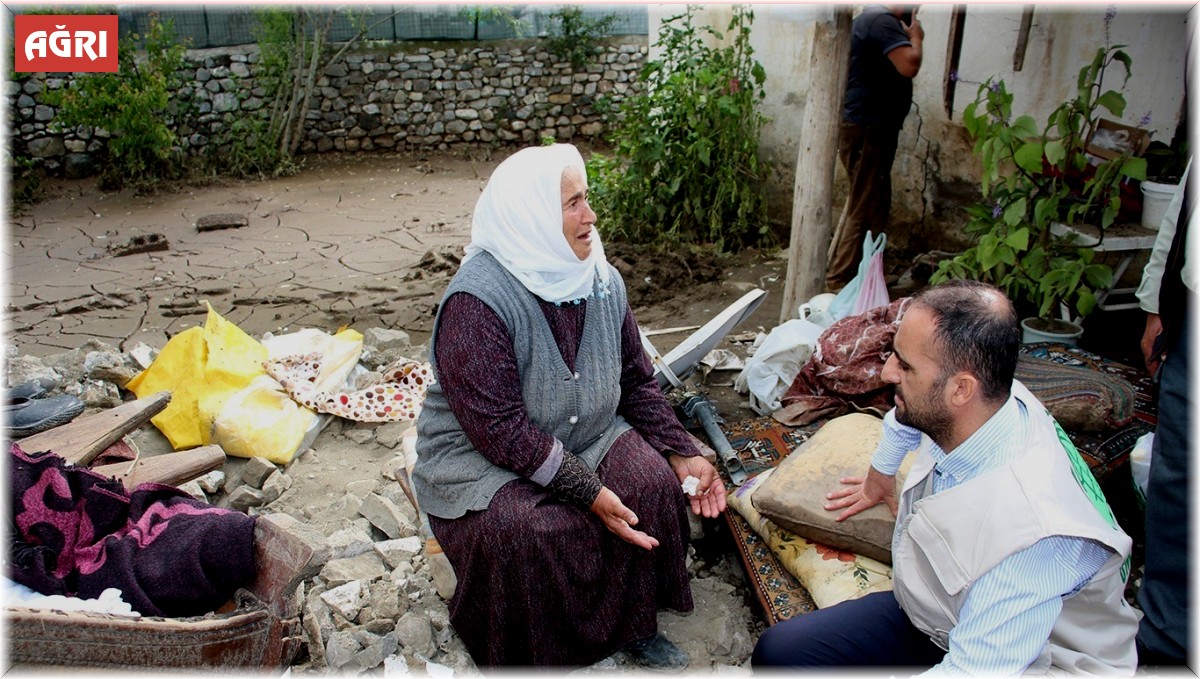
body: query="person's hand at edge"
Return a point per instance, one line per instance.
(1153, 330)
(620, 519)
(863, 493)
(709, 500)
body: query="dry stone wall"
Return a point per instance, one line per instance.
(401, 96)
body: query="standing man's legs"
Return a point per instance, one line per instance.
(1164, 597)
(867, 153)
(872, 631)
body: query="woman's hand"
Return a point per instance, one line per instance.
(709, 500)
(620, 519)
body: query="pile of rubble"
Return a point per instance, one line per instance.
(378, 601)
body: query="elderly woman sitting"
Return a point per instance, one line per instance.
(549, 462)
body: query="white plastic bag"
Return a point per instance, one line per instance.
(1139, 465)
(776, 362)
(867, 289)
(816, 310)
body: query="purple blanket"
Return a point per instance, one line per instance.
(75, 532)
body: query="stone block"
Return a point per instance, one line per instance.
(341, 650)
(415, 632)
(345, 599)
(366, 567)
(349, 542)
(244, 497)
(256, 470)
(400, 550)
(386, 516)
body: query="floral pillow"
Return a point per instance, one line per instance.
(830, 576)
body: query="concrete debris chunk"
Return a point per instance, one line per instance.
(400, 550)
(345, 599)
(257, 470)
(389, 435)
(274, 486)
(213, 481)
(386, 600)
(415, 632)
(367, 567)
(349, 542)
(193, 489)
(151, 242)
(245, 497)
(386, 516)
(341, 649)
(223, 220)
(373, 655)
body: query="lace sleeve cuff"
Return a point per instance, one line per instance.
(575, 483)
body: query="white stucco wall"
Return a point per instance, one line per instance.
(934, 170)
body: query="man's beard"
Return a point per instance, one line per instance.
(930, 417)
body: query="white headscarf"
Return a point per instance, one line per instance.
(518, 219)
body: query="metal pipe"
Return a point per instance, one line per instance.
(702, 409)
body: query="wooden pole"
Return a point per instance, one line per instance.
(812, 199)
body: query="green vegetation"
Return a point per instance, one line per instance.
(134, 105)
(1033, 178)
(684, 166)
(576, 37)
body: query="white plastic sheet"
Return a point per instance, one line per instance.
(776, 362)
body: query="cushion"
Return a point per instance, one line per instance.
(1079, 398)
(830, 576)
(794, 496)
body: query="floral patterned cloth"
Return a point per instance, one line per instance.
(845, 370)
(397, 396)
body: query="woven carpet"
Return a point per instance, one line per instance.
(761, 443)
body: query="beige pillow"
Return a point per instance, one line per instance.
(829, 575)
(794, 496)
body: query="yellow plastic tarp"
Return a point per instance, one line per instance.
(201, 367)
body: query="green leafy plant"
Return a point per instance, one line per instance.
(1033, 178)
(684, 166)
(576, 37)
(133, 105)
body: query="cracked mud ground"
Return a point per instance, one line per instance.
(345, 242)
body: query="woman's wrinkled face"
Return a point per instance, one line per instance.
(577, 216)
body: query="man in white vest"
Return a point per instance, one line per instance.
(1006, 556)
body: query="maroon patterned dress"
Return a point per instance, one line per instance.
(542, 581)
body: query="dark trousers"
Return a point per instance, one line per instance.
(871, 631)
(867, 152)
(1164, 595)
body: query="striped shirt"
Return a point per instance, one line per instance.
(1008, 613)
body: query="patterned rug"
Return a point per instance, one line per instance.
(761, 443)
(1106, 452)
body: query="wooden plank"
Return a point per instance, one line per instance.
(79, 442)
(172, 469)
(1023, 38)
(812, 198)
(958, 22)
(282, 560)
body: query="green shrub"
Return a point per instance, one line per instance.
(576, 37)
(133, 105)
(684, 166)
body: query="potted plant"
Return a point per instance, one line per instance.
(1034, 178)
(1164, 167)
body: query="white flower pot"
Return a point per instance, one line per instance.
(1063, 331)
(1156, 198)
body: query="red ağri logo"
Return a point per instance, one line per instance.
(84, 43)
